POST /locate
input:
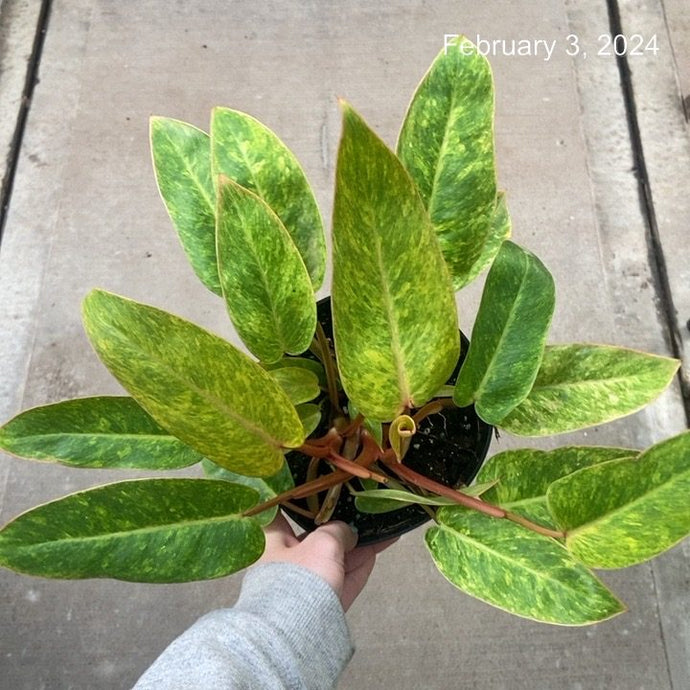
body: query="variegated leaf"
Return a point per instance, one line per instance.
(249, 153)
(387, 500)
(626, 511)
(523, 476)
(209, 394)
(266, 487)
(394, 312)
(150, 530)
(104, 432)
(182, 163)
(266, 287)
(582, 385)
(499, 231)
(517, 570)
(301, 385)
(310, 416)
(447, 145)
(509, 335)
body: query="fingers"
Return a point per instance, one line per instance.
(358, 567)
(334, 539)
(279, 534)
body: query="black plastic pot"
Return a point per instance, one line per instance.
(449, 447)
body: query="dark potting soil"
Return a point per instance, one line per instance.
(449, 447)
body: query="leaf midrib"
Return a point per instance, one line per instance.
(536, 573)
(193, 176)
(213, 400)
(113, 435)
(263, 273)
(504, 332)
(396, 349)
(441, 154)
(627, 506)
(133, 533)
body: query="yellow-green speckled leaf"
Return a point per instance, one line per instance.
(509, 335)
(300, 384)
(248, 152)
(447, 145)
(312, 365)
(206, 392)
(523, 476)
(182, 163)
(499, 231)
(394, 314)
(103, 432)
(517, 570)
(626, 511)
(149, 530)
(266, 287)
(582, 385)
(310, 414)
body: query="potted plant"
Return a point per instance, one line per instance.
(366, 408)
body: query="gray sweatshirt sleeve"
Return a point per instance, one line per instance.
(287, 630)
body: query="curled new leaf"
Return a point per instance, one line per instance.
(400, 432)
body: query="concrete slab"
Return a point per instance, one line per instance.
(665, 138)
(85, 212)
(18, 26)
(677, 17)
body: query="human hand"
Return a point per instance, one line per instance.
(328, 552)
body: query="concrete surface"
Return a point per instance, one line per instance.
(18, 23)
(85, 212)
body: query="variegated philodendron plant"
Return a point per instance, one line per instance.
(410, 228)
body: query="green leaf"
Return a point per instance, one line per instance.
(301, 385)
(266, 487)
(249, 153)
(105, 432)
(209, 394)
(499, 232)
(310, 416)
(525, 475)
(304, 362)
(447, 145)
(517, 570)
(266, 287)
(582, 385)
(394, 311)
(152, 530)
(386, 500)
(626, 511)
(509, 335)
(182, 163)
